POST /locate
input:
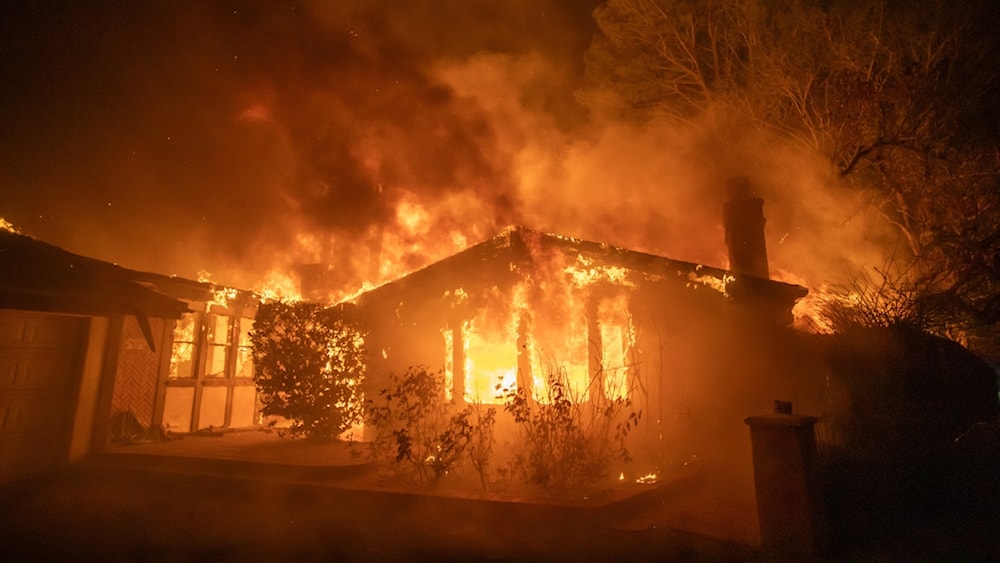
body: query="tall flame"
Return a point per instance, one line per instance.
(551, 324)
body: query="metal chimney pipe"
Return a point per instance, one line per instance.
(743, 217)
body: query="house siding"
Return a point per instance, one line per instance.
(137, 372)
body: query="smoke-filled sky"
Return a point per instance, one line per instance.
(242, 138)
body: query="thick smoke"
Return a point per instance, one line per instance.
(238, 137)
(247, 138)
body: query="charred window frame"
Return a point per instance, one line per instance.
(244, 349)
(207, 376)
(184, 348)
(616, 337)
(202, 347)
(218, 330)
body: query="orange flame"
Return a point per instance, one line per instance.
(277, 286)
(9, 227)
(550, 324)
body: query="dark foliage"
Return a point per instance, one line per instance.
(415, 425)
(566, 446)
(309, 367)
(899, 99)
(908, 446)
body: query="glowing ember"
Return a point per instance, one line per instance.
(717, 283)
(648, 479)
(8, 226)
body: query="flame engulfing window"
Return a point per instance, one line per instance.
(182, 352)
(490, 361)
(481, 354)
(210, 336)
(511, 343)
(617, 340)
(244, 350)
(217, 345)
(559, 344)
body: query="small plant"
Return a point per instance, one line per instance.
(414, 424)
(309, 367)
(566, 446)
(482, 440)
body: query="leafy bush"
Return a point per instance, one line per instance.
(416, 425)
(567, 446)
(309, 367)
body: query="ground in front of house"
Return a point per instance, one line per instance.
(261, 498)
(252, 496)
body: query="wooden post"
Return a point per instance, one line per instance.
(109, 373)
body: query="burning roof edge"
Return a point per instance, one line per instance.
(515, 239)
(36, 275)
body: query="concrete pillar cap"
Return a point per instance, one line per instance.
(786, 420)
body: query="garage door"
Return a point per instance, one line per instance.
(40, 365)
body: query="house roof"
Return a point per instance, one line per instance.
(517, 247)
(38, 276)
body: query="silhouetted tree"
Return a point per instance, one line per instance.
(902, 99)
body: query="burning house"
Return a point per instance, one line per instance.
(205, 373)
(682, 341)
(90, 351)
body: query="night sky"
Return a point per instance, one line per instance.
(242, 138)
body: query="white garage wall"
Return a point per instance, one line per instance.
(90, 387)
